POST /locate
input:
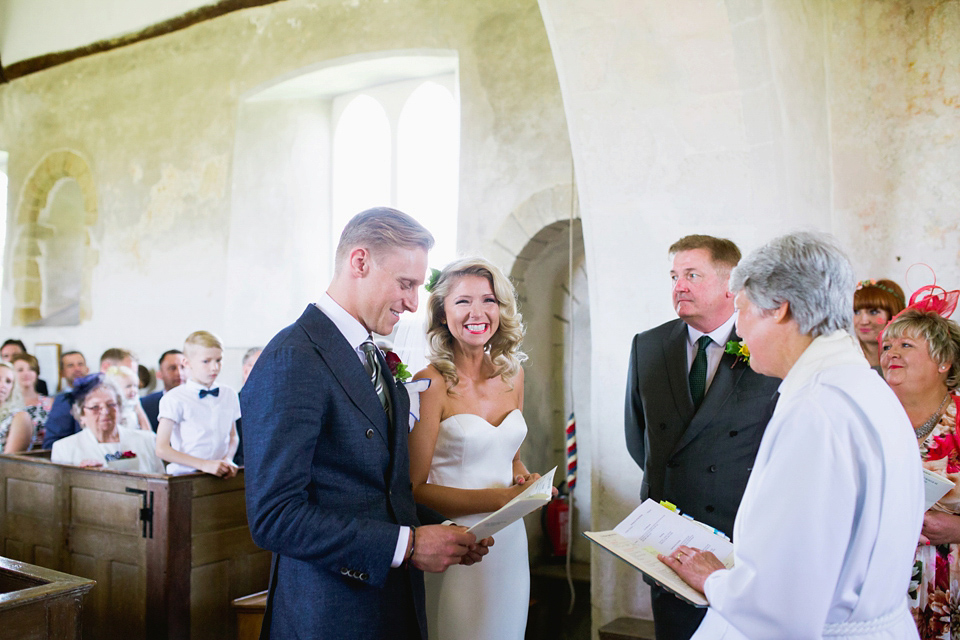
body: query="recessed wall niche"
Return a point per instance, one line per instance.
(53, 258)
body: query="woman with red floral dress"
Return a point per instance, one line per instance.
(920, 357)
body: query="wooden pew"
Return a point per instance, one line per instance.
(40, 604)
(169, 553)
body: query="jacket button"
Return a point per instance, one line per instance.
(733, 434)
(713, 468)
(663, 426)
(369, 434)
(708, 508)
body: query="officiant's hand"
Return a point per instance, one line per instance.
(940, 528)
(692, 565)
(477, 551)
(438, 546)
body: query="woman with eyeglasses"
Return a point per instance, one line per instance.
(101, 443)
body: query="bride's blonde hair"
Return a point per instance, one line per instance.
(503, 347)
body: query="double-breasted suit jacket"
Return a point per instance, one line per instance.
(699, 460)
(327, 489)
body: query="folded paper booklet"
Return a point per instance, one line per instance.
(935, 486)
(533, 497)
(652, 529)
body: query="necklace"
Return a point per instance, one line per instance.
(924, 430)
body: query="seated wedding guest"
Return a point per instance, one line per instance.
(824, 538)
(465, 449)
(249, 359)
(16, 429)
(131, 413)
(172, 372)
(197, 420)
(95, 404)
(60, 421)
(36, 405)
(10, 348)
(875, 302)
(921, 363)
(72, 366)
(13, 347)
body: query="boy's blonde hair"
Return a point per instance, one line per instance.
(202, 339)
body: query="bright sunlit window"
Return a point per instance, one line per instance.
(398, 145)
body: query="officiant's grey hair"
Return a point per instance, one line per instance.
(807, 270)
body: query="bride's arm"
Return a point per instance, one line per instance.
(448, 501)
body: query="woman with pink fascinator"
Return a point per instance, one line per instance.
(920, 357)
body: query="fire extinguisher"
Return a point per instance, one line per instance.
(557, 515)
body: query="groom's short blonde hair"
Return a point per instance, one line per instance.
(380, 229)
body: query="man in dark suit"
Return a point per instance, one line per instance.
(325, 446)
(172, 371)
(695, 414)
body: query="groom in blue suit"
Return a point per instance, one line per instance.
(325, 445)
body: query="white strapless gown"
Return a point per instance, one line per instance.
(489, 600)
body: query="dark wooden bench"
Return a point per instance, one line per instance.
(40, 604)
(169, 553)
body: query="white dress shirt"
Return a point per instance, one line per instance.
(825, 534)
(719, 338)
(201, 426)
(356, 334)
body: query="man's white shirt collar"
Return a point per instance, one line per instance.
(719, 335)
(349, 326)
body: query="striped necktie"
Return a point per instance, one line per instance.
(372, 365)
(698, 372)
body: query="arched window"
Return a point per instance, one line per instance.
(428, 162)
(362, 161)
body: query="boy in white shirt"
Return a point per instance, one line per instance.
(197, 428)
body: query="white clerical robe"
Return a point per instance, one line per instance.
(825, 534)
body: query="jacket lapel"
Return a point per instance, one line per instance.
(345, 366)
(729, 372)
(675, 356)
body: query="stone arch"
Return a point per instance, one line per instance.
(28, 286)
(511, 248)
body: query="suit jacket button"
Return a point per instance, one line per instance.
(713, 468)
(663, 426)
(733, 434)
(369, 434)
(708, 508)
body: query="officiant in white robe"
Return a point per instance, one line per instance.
(825, 535)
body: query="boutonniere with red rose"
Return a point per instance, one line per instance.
(398, 369)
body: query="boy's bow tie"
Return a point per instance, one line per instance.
(212, 392)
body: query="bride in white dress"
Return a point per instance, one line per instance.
(465, 450)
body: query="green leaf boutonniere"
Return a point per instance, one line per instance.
(432, 280)
(738, 349)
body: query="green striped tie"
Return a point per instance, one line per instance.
(372, 365)
(698, 372)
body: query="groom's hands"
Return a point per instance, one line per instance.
(438, 546)
(477, 551)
